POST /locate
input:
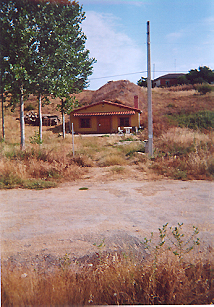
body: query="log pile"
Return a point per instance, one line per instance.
(32, 118)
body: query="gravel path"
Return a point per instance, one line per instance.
(68, 220)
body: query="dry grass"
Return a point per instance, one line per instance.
(113, 279)
(182, 153)
(179, 153)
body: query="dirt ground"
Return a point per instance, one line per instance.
(122, 212)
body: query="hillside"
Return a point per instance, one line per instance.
(167, 103)
(122, 91)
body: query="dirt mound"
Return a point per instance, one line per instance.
(122, 91)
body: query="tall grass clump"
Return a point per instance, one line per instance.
(171, 274)
(183, 153)
(36, 167)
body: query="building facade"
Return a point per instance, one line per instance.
(166, 80)
(104, 117)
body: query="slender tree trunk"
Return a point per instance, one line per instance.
(63, 124)
(2, 106)
(63, 119)
(40, 117)
(22, 121)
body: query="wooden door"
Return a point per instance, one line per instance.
(104, 124)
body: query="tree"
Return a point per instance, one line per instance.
(18, 45)
(44, 51)
(201, 75)
(142, 82)
(182, 80)
(70, 59)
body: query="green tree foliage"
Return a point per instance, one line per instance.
(17, 47)
(201, 75)
(142, 82)
(43, 50)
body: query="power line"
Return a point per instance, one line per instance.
(131, 73)
(135, 73)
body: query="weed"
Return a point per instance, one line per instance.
(113, 159)
(117, 169)
(211, 167)
(65, 262)
(128, 139)
(176, 240)
(171, 105)
(181, 245)
(38, 184)
(29, 107)
(178, 174)
(100, 247)
(105, 136)
(9, 181)
(170, 280)
(36, 139)
(198, 120)
(83, 189)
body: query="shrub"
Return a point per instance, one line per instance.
(35, 139)
(110, 160)
(204, 88)
(38, 184)
(199, 120)
(9, 181)
(29, 107)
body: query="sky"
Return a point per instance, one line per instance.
(181, 36)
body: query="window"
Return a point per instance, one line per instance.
(124, 121)
(85, 122)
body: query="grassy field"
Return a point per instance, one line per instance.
(183, 145)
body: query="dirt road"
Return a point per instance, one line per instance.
(68, 220)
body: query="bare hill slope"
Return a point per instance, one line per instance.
(122, 91)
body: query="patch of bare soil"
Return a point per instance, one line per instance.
(119, 209)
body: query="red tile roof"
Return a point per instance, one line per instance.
(105, 113)
(109, 103)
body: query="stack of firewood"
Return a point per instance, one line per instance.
(32, 118)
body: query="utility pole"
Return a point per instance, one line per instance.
(2, 105)
(153, 71)
(149, 94)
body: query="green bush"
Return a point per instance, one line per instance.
(29, 107)
(198, 120)
(36, 139)
(9, 181)
(204, 88)
(38, 184)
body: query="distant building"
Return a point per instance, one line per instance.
(166, 80)
(105, 117)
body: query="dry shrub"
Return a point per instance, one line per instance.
(17, 166)
(11, 175)
(182, 153)
(83, 161)
(113, 280)
(184, 137)
(112, 159)
(117, 169)
(183, 87)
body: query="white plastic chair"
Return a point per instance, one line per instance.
(120, 131)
